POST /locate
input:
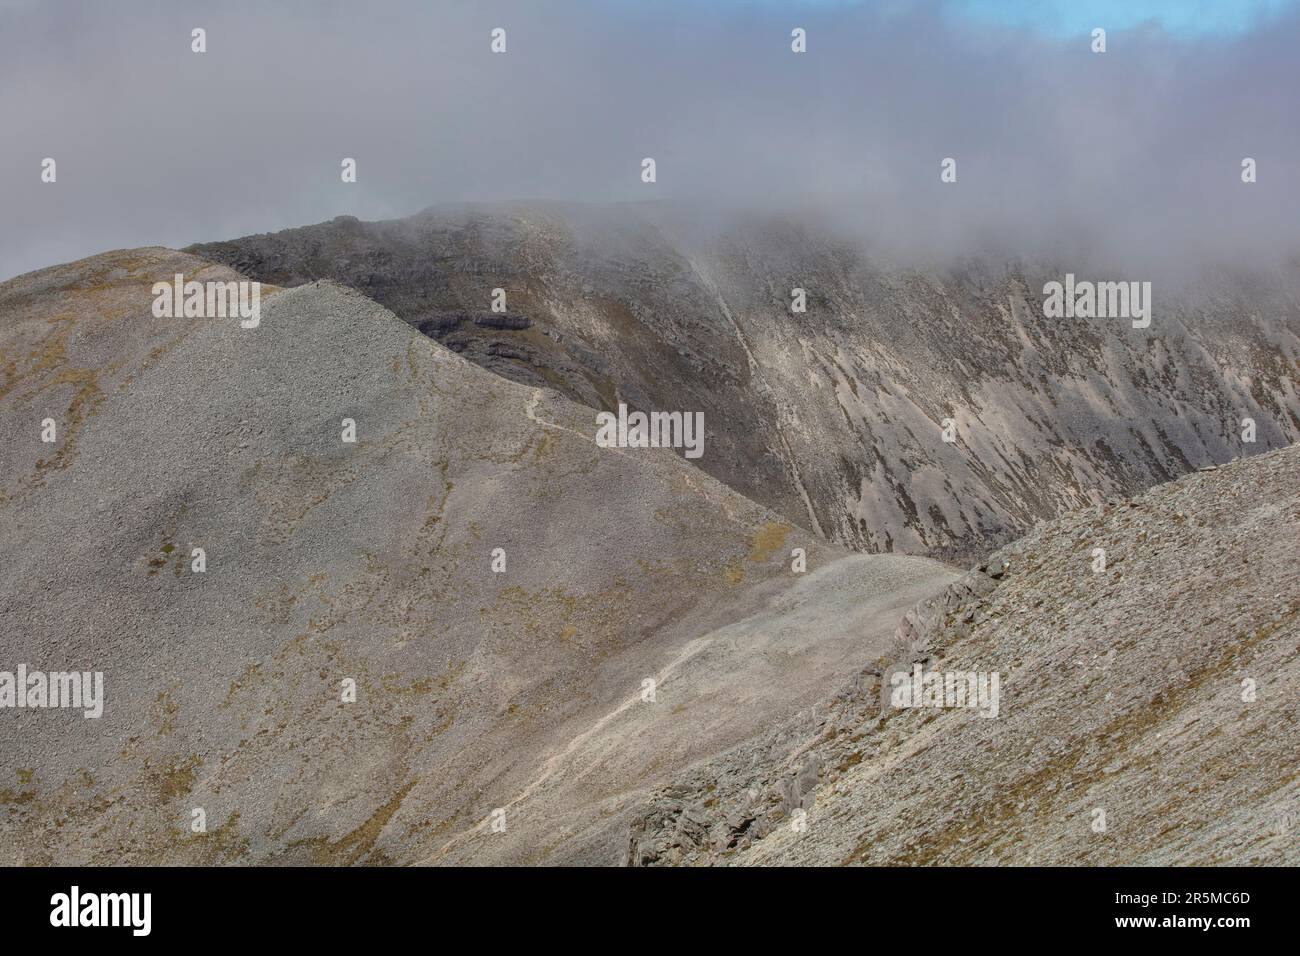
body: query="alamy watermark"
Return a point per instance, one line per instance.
(208, 300)
(655, 430)
(76, 690)
(1098, 300)
(977, 690)
(133, 910)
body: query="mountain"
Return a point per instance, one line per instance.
(434, 620)
(834, 418)
(1147, 712)
(328, 563)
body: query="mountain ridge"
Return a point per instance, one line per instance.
(369, 561)
(833, 418)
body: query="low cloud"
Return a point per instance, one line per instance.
(1135, 152)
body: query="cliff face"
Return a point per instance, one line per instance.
(834, 417)
(1146, 711)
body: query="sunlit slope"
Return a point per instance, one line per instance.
(1148, 653)
(370, 561)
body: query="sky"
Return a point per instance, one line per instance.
(1136, 151)
(1183, 18)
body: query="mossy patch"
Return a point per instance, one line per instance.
(767, 540)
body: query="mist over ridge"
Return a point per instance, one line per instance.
(1133, 156)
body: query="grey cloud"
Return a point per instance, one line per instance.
(1134, 154)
